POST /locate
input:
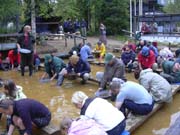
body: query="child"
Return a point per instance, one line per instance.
(14, 92)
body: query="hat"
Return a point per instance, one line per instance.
(145, 51)
(116, 83)
(47, 57)
(108, 57)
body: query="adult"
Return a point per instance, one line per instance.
(14, 58)
(26, 41)
(76, 67)
(114, 68)
(75, 49)
(145, 28)
(164, 54)
(140, 45)
(100, 110)
(133, 97)
(128, 56)
(53, 66)
(86, 52)
(81, 127)
(177, 53)
(101, 48)
(25, 114)
(83, 28)
(156, 85)
(146, 58)
(102, 30)
(171, 71)
(77, 25)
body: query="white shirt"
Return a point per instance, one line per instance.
(104, 113)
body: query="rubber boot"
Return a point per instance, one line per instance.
(30, 70)
(22, 71)
(60, 80)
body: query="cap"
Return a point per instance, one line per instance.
(47, 57)
(108, 57)
(145, 51)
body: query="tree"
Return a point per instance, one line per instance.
(115, 15)
(9, 9)
(173, 7)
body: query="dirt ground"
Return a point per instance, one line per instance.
(59, 44)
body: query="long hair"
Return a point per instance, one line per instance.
(11, 87)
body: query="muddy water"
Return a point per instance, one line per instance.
(58, 99)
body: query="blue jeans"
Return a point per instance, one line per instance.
(140, 109)
(118, 129)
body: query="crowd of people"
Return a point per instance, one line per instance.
(97, 115)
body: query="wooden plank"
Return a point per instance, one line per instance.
(133, 122)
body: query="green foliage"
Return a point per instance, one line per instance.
(66, 9)
(173, 8)
(8, 9)
(114, 15)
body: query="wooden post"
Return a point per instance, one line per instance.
(65, 41)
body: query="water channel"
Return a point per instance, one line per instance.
(58, 99)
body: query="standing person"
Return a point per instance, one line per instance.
(156, 85)
(86, 52)
(26, 41)
(14, 58)
(114, 68)
(132, 96)
(104, 113)
(83, 28)
(53, 66)
(25, 114)
(77, 25)
(102, 30)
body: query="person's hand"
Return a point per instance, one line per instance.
(100, 89)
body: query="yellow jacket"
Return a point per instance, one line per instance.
(100, 48)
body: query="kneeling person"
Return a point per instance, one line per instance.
(133, 97)
(77, 67)
(53, 66)
(24, 114)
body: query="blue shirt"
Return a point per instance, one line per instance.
(81, 67)
(134, 92)
(28, 110)
(85, 52)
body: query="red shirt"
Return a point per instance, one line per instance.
(13, 57)
(146, 62)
